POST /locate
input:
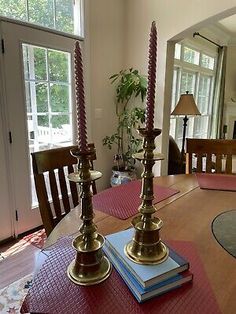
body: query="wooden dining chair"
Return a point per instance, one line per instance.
(212, 156)
(56, 197)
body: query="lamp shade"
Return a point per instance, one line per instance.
(186, 106)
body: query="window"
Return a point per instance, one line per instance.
(61, 15)
(48, 97)
(190, 55)
(194, 71)
(208, 62)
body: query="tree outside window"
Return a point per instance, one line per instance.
(53, 14)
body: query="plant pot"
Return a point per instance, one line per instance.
(122, 177)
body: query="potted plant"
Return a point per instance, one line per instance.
(130, 87)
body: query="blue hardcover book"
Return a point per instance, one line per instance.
(146, 275)
(138, 291)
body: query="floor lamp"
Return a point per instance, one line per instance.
(186, 106)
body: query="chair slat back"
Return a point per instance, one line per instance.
(211, 155)
(54, 162)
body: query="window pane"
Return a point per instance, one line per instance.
(40, 65)
(204, 94)
(61, 129)
(191, 56)
(42, 97)
(14, 8)
(59, 95)
(64, 16)
(177, 51)
(187, 82)
(27, 97)
(30, 128)
(41, 12)
(201, 126)
(54, 14)
(26, 61)
(43, 121)
(176, 130)
(58, 66)
(59, 121)
(174, 90)
(172, 126)
(207, 62)
(179, 128)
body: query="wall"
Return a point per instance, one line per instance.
(117, 37)
(175, 20)
(104, 42)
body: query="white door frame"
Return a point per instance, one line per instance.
(14, 34)
(6, 215)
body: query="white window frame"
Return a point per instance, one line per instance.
(180, 66)
(78, 18)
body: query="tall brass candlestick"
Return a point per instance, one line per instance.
(90, 266)
(146, 246)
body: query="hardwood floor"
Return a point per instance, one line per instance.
(18, 259)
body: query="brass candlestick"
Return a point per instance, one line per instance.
(146, 246)
(90, 266)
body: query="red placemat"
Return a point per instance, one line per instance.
(123, 201)
(52, 292)
(223, 182)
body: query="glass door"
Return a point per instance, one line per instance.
(39, 96)
(48, 100)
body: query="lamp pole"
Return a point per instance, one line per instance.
(184, 134)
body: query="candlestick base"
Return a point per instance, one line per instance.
(90, 266)
(146, 247)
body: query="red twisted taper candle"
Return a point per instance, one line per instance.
(80, 103)
(151, 78)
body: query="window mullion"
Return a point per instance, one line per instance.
(27, 10)
(33, 94)
(197, 86)
(49, 98)
(54, 14)
(179, 74)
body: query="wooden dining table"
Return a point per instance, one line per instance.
(187, 216)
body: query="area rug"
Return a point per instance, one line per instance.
(224, 230)
(12, 296)
(36, 238)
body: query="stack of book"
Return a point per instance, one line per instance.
(146, 281)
